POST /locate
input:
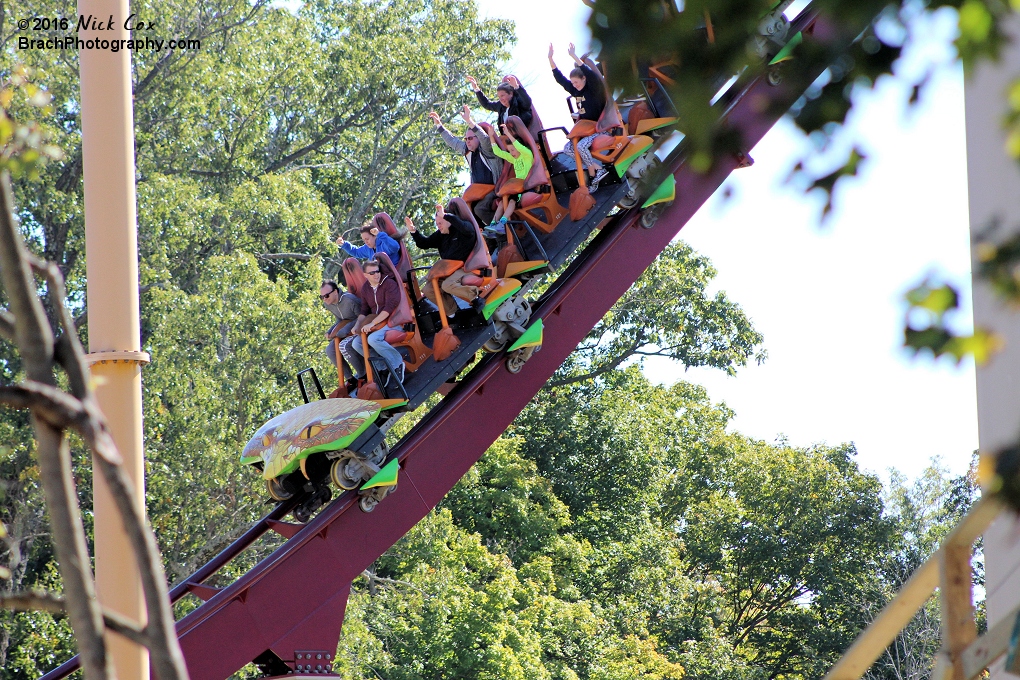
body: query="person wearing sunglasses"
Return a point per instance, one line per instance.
(345, 307)
(484, 166)
(380, 297)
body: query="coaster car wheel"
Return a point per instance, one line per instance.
(277, 491)
(338, 474)
(774, 75)
(495, 344)
(301, 514)
(630, 199)
(371, 498)
(515, 360)
(652, 214)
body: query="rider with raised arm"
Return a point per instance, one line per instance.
(522, 159)
(476, 148)
(454, 238)
(590, 100)
(511, 100)
(375, 242)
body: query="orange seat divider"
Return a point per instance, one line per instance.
(395, 335)
(477, 192)
(530, 198)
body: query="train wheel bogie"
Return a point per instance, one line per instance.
(515, 360)
(319, 498)
(341, 477)
(652, 214)
(277, 490)
(495, 344)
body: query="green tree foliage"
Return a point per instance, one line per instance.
(668, 312)
(639, 539)
(924, 511)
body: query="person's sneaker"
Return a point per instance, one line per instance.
(478, 304)
(599, 176)
(351, 385)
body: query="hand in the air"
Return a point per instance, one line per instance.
(434, 117)
(409, 224)
(474, 83)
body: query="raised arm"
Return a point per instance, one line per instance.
(484, 140)
(565, 82)
(573, 55)
(455, 143)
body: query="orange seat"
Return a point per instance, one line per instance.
(541, 209)
(511, 187)
(612, 139)
(605, 142)
(479, 262)
(384, 222)
(353, 274)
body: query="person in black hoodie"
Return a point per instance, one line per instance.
(511, 100)
(454, 238)
(590, 101)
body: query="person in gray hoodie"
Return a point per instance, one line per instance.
(484, 166)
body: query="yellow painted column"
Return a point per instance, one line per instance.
(111, 245)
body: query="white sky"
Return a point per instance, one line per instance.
(828, 299)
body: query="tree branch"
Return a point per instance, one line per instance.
(605, 368)
(286, 256)
(7, 326)
(42, 601)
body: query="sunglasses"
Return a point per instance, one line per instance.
(374, 271)
(327, 294)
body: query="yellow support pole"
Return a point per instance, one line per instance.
(111, 245)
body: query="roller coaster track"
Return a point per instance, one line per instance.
(288, 610)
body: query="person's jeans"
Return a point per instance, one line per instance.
(377, 344)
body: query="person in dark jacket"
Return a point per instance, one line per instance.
(454, 238)
(484, 166)
(589, 103)
(511, 100)
(379, 296)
